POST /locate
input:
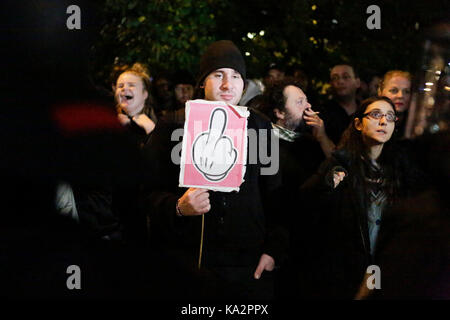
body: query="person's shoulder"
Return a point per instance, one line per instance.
(341, 157)
(330, 102)
(166, 126)
(162, 134)
(258, 119)
(327, 108)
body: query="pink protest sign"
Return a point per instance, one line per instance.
(214, 150)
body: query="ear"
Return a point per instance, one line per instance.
(358, 82)
(202, 84)
(145, 94)
(279, 114)
(358, 124)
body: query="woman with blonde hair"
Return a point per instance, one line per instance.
(396, 85)
(134, 102)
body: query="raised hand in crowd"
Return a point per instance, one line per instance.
(318, 131)
(141, 120)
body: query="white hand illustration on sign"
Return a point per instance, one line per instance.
(213, 152)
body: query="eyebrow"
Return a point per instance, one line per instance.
(379, 110)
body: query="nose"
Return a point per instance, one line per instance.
(225, 84)
(383, 120)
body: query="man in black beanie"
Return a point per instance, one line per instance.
(241, 244)
(221, 54)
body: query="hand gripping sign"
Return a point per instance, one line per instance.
(214, 150)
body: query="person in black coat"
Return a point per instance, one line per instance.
(357, 185)
(241, 244)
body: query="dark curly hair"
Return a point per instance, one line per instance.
(353, 153)
(273, 97)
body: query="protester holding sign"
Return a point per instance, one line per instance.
(230, 235)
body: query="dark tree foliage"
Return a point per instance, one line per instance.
(314, 34)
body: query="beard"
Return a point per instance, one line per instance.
(297, 125)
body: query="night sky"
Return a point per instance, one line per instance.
(42, 57)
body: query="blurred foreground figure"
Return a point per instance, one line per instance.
(55, 129)
(414, 249)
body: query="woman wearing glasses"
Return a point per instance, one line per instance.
(354, 187)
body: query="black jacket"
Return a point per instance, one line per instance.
(240, 225)
(341, 251)
(335, 118)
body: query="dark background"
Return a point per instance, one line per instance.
(43, 58)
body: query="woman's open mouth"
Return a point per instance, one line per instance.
(125, 98)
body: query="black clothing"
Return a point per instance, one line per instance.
(109, 209)
(400, 125)
(335, 118)
(238, 229)
(221, 54)
(342, 252)
(413, 248)
(37, 244)
(299, 160)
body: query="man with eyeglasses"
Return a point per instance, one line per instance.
(337, 112)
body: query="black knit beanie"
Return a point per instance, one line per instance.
(221, 54)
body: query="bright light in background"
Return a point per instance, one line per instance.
(247, 53)
(429, 83)
(334, 21)
(250, 35)
(261, 33)
(439, 72)
(427, 89)
(314, 7)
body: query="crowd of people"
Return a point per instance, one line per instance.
(339, 203)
